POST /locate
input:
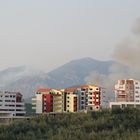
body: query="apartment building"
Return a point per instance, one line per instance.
(47, 100)
(124, 91)
(137, 91)
(11, 104)
(75, 99)
(70, 100)
(127, 93)
(89, 97)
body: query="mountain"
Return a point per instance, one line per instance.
(9, 75)
(75, 72)
(26, 80)
(19, 79)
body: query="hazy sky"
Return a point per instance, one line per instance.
(49, 33)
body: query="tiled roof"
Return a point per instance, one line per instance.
(70, 89)
(44, 90)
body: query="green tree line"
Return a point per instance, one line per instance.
(103, 125)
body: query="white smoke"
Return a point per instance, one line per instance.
(128, 51)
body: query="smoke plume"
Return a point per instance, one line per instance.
(128, 51)
(127, 56)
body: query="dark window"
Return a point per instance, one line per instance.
(91, 108)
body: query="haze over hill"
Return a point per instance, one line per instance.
(27, 80)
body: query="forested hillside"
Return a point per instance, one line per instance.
(104, 125)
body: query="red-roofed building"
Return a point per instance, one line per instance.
(47, 100)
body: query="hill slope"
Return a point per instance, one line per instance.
(72, 73)
(76, 71)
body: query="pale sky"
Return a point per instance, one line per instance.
(48, 33)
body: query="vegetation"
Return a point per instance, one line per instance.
(104, 125)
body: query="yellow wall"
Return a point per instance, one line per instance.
(70, 102)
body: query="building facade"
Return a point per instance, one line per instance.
(137, 91)
(11, 104)
(124, 91)
(70, 100)
(127, 93)
(89, 97)
(77, 99)
(47, 100)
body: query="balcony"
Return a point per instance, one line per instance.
(57, 107)
(33, 103)
(57, 110)
(120, 87)
(34, 99)
(57, 102)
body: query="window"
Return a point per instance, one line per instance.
(11, 110)
(38, 93)
(82, 102)
(7, 101)
(91, 108)
(83, 89)
(14, 105)
(68, 106)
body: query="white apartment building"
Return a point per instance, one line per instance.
(124, 91)
(137, 91)
(127, 93)
(11, 104)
